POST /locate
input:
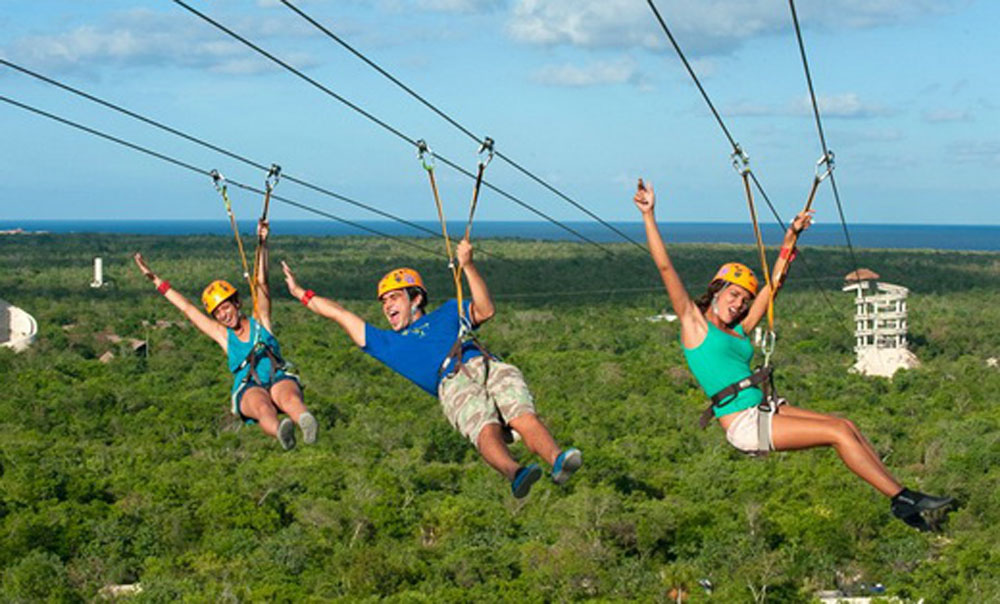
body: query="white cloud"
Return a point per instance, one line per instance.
(598, 73)
(142, 37)
(936, 116)
(461, 6)
(702, 28)
(848, 105)
(439, 6)
(976, 152)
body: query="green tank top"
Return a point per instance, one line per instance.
(720, 360)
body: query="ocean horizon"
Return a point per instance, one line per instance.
(872, 236)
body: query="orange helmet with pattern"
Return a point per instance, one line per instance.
(401, 278)
(738, 274)
(216, 293)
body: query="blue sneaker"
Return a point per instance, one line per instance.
(525, 477)
(569, 461)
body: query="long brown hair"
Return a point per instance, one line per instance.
(704, 302)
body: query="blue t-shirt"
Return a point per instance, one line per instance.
(417, 352)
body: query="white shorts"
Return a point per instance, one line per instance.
(745, 432)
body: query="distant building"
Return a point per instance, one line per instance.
(17, 328)
(880, 325)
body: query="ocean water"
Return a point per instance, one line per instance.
(888, 236)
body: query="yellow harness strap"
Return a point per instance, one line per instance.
(220, 185)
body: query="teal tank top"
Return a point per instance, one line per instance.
(720, 360)
(238, 351)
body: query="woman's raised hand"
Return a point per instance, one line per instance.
(644, 198)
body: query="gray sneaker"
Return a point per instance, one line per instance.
(286, 434)
(309, 427)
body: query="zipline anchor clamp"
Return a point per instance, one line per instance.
(486, 147)
(423, 152)
(827, 160)
(741, 161)
(273, 175)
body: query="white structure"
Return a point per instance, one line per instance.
(17, 328)
(98, 273)
(879, 325)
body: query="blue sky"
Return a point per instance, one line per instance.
(585, 93)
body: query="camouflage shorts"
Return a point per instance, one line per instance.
(469, 406)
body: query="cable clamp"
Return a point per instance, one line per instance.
(826, 160)
(273, 175)
(487, 148)
(741, 161)
(423, 153)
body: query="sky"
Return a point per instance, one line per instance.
(586, 94)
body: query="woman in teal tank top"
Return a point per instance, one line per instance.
(714, 337)
(261, 387)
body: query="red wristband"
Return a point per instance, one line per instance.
(788, 253)
(163, 287)
(306, 297)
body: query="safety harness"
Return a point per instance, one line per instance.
(763, 376)
(260, 348)
(466, 333)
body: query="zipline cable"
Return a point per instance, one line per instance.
(822, 138)
(737, 150)
(455, 123)
(384, 124)
(208, 173)
(211, 146)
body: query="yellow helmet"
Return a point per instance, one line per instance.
(216, 293)
(738, 274)
(401, 278)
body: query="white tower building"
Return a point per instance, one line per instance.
(880, 325)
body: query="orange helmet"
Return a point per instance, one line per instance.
(401, 278)
(738, 274)
(216, 293)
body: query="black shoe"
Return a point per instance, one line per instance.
(917, 509)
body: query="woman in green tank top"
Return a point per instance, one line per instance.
(718, 352)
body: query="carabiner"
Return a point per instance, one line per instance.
(423, 151)
(218, 180)
(767, 345)
(464, 327)
(828, 160)
(487, 147)
(741, 161)
(273, 175)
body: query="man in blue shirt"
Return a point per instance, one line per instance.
(480, 396)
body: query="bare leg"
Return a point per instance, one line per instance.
(288, 397)
(256, 404)
(790, 432)
(800, 412)
(536, 437)
(495, 452)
